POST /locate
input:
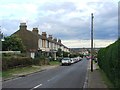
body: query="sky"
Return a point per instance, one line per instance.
(68, 20)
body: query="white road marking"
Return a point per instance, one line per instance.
(51, 79)
(42, 84)
(36, 87)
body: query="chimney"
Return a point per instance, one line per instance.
(50, 37)
(55, 39)
(44, 34)
(23, 26)
(35, 30)
(59, 41)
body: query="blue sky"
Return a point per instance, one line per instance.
(68, 20)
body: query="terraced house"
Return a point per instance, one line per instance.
(34, 42)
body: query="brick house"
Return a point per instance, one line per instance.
(35, 42)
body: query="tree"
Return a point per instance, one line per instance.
(59, 52)
(66, 54)
(13, 43)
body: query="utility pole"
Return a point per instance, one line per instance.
(0, 34)
(92, 42)
(94, 45)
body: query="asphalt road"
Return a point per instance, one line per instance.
(72, 76)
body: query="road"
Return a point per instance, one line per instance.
(72, 76)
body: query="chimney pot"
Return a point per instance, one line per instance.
(55, 39)
(35, 30)
(50, 36)
(23, 26)
(44, 34)
(59, 41)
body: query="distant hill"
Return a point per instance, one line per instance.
(78, 49)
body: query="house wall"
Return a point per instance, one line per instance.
(40, 43)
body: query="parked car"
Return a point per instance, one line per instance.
(66, 61)
(75, 60)
(72, 60)
(79, 58)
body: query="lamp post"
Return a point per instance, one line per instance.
(92, 42)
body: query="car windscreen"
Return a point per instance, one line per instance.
(66, 59)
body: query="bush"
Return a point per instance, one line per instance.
(109, 62)
(20, 60)
(12, 62)
(41, 60)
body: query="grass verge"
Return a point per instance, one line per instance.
(20, 71)
(25, 70)
(54, 63)
(105, 79)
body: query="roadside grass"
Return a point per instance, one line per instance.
(20, 71)
(54, 63)
(104, 77)
(106, 80)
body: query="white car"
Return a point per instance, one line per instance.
(72, 60)
(66, 61)
(76, 59)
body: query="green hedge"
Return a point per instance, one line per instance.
(18, 61)
(12, 62)
(41, 61)
(109, 62)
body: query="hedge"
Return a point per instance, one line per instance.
(17, 61)
(41, 61)
(11, 62)
(109, 62)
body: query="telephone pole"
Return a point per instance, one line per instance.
(92, 42)
(1, 35)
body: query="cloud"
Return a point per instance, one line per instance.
(87, 43)
(73, 20)
(64, 19)
(15, 11)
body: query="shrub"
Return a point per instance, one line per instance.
(109, 62)
(41, 60)
(11, 62)
(20, 60)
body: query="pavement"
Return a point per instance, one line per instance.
(94, 79)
